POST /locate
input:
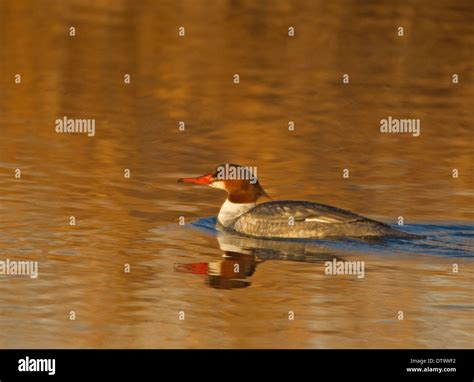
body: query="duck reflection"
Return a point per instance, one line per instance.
(242, 255)
(231, 271)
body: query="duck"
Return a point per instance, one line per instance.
(243, 211)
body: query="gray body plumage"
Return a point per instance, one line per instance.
(298, 220)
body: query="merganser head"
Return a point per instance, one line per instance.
(240, 182)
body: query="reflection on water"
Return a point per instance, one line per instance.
(243, 254)
(234, 270)
(134, 221)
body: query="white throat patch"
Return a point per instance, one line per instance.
(231, 211)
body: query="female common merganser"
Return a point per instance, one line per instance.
(286, 218)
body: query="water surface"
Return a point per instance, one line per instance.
(189, 268)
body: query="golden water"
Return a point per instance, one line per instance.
(135, 221)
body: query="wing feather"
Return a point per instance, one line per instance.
(281, 211)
